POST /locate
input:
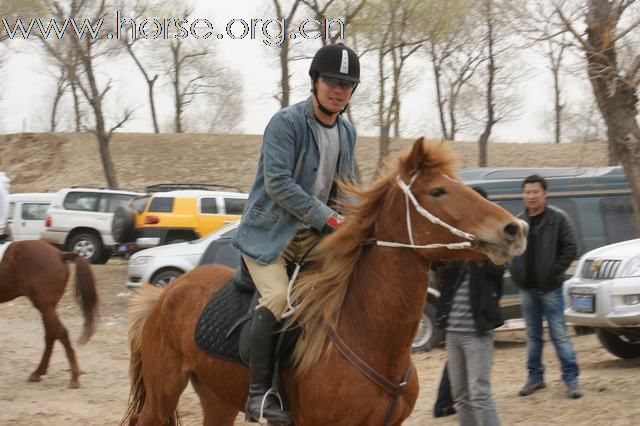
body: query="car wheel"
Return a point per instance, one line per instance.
(88, 246)
(428, 336)
(166, 277)
(618, 345)
(123, 225)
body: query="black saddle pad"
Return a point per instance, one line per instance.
(218, 329)
(223, 327)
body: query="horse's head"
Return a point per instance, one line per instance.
(441, 217)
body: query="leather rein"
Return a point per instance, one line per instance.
(393, 389)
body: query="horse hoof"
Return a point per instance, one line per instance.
(34, 377)
(74, 384)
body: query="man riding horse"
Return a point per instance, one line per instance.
(305, 147)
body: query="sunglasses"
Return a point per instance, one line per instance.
(333, 82)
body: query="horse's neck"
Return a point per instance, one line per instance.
(384, 303)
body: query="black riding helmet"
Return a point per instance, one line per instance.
(336, 61)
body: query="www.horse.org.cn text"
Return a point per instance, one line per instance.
(272, 32)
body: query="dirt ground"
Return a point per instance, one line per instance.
(610, 384)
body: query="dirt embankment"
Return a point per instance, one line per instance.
(38, 162)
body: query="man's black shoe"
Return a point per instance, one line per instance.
(531, 387)
(444, 412)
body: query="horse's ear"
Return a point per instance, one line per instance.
(416, 158)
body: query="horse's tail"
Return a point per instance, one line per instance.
(139, 307)
(86, 294)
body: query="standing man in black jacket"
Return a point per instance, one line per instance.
(539, 272)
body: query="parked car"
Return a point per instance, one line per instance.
(4, 204)
(604, 293)
(26, 215)
(79, 219)
(175, 216)
(162, 265)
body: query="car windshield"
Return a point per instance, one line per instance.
(226, 232)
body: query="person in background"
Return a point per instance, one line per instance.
(445, 405)
(469, 311)
(539, 273)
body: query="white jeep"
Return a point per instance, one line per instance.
(79, 219)
(604, 294)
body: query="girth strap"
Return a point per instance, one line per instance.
(394, 389)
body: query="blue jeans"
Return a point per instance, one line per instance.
(535, 306)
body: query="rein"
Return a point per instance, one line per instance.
(409, 197)
(393, 389)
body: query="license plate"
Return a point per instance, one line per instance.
(582, 303)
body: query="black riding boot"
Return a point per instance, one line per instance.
(261, 363)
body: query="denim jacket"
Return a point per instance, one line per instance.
(280, 202)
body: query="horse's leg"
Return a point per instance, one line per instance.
(216, 411)
(55, 330)
(49, 340)
(164, 382)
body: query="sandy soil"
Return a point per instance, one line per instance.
(610, 384)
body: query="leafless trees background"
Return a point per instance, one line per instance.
(466, 60)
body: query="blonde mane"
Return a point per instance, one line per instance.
(322, 289)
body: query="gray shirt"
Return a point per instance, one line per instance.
(461, 317)
(329, 146)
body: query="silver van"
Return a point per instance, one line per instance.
(26, 215)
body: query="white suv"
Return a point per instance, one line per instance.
(79, 219)
(604, 293)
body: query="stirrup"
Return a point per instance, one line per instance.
(261, 419)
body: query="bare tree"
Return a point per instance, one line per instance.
(393, 44)
(85, 77)
(186, 81)
(455, 58)
(497, 41)
(329, 9)
(221, 109)
(535, 21)
(65, 64)
(284, 52)
(139, 10)
(614, 80)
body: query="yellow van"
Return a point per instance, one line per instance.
(175, 216)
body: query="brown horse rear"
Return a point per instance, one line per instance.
(169, 371)
(37, 270)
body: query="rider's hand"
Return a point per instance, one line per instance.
(333, 222)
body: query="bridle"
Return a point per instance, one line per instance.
(409, 197)
(392, 388)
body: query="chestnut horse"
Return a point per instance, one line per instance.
(361, 304)
(38, 270)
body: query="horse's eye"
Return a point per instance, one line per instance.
(437, 192)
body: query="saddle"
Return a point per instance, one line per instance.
(223, 327)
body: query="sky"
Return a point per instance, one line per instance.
(26, 95)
